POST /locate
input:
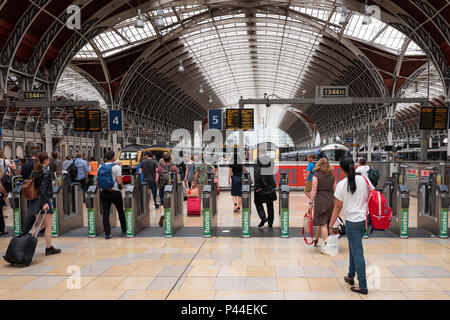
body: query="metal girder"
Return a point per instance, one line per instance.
(438, 20)
(355, 100)
(93, 82)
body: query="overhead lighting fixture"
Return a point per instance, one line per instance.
(139, 22)
(343, 19)
(210, 99)
(367, 15)
(160, 20)
(180, 67)
(201, 89)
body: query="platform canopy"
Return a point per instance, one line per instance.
(190, 56)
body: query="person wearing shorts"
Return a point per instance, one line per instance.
(309, 175)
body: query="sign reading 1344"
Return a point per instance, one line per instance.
(34, 95)
(115, 120)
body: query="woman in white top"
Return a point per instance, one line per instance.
(363, 168)
(5, 164)
(352, 196)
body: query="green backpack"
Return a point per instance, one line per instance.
(373, 175)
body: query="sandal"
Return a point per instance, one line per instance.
(349, 281)
(359, 290)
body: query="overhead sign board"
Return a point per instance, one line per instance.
(115, 120)
(215, 119)
(240, 119)
(432, 118)
(34, 95)
(333, 91)
(88, 120)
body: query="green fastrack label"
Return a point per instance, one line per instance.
(17, 222)
(207, 222)
(55, 231)
(404, 223)
(168, 223)
(91, 223)
(285, 223)
(444, 223)
(130, 223)
(246, 223)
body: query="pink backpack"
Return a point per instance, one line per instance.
(380, 213)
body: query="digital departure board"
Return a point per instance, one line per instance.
(34, 95)
(88, 120)
(333, 92)
(441, 118)
(240, 119)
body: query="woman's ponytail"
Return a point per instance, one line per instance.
(348, 166)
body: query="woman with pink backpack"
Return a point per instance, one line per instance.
(351, 201)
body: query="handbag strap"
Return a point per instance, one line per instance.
(308, 216)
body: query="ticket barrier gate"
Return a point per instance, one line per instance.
(246, 205)
(95, 213)
(57, 209)
(173, 206)
(137, 207)
(432, 206)
(209, 199)
(284, 204)
(19, 213)
(71, 216)
(397, 196)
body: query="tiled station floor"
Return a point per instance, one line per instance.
(226, 268)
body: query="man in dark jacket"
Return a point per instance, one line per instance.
(265, 187)
(28, 166)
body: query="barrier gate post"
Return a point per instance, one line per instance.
(129, 210)
(284, 204)
(246, 206)
(443, 202)
(15, 204)
(207, 211)
(91, 211)
(173, 206)
(55, 219)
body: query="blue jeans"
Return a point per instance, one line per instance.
(355, 234)
(153, 187)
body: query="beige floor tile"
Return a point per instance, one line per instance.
(30, 294)
(387, 284)
(104, 283)
(188, 250)
(373, 295)
(84, 281)
(293, 284)
(324, 284)
(443, 283)
(203, 262)
(149, 295)
(388, 263)
(249, 295)
(427, 295)
(232, 271)
(243, 262)
(8, 270)
(261, 272)
(282, 262)
(119, 271)
(203, 271)
(198, 283)
(91, 295)
(60, 270)
(147, 270)
(421, 284)
(129, 250)
(134, 283)
(316, 263)
(15, 282)
(191, 295)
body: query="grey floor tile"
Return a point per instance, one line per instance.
(172, 271)
(223, 262)
(341, 262)
(162, 250)
(229, 283)
(447, 292)
(115, 261)
(318, 272)
(261, 284)
(182, 256)
(289, 272)
(162, 283)
(3, 277)
(35, 270)
(179, 283)
(44, 282)
(403, 256)
(128, 294)
(406, 272)
(316, 295)
(94, 269)
(278, 295)
(433, 272)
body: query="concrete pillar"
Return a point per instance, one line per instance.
(114, 143)
(424, 145)
(369, 143)
(97, 146)
(48, 132)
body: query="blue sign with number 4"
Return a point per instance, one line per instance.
(115, 120)
(215, 119)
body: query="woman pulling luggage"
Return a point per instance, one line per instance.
(43, 184)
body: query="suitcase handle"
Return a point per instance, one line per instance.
(42, 221)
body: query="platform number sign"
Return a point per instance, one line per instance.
(215, 119)
(115, 120)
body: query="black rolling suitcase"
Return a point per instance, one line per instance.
(21, 249)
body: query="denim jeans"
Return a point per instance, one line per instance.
(154, 188)
(355, 234)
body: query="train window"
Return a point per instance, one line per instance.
(128, 155)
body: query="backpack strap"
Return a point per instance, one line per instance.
(367, 182)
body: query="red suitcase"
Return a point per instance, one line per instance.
(193, 206)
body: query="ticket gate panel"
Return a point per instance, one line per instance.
(400, 215)
(72, 215)
(246, 210)
(57, 209)
(19, 215)
(137, 208)
(173, 207)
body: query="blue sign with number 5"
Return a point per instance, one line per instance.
(215, 119)
(115, 120)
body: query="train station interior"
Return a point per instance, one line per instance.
(291, 81)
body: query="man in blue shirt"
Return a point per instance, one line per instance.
(82, 172)
(309, 175)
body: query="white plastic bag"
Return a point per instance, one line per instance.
(330, 246)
